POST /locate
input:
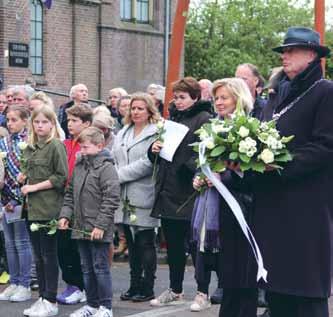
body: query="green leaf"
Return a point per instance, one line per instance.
(287, 139)
(244, 158)
(245, 166)
(52, 231)
(217, 151)
(218, 166)
(233, 156)
(258, 167)
(285, 157)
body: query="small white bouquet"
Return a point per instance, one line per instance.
(245, 140)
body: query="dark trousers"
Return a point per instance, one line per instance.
(205, 263)
(69, 259)
(282, 305)
(239, 302)
(3, 255)
(96, 272)
(177, 238)
(142, 259)
(46, 258)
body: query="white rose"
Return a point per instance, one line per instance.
(203, 135)
(3, 155)
(133, 217)
(217, 128)
(267, 156)
(160, 124)
(22, 145)
(243, 132)
(209, 142)
(34, 227)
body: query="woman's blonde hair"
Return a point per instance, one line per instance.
(43, 97)
(49, 114)
(154, 115)
(238, 89)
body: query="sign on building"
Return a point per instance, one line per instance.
(18, 55)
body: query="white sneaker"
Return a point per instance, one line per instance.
(75, 297)
(33, 307)
(85, 311)
(8, 292)
(21, 294)
(45, 309)
(201, 302)
(84, 297)
(168, 297)
(103, 312)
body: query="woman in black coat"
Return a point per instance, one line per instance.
(174, 184)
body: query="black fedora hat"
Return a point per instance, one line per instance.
(303, 37)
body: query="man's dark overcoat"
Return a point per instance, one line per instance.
(293, 211)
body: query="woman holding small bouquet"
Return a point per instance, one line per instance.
(137, 192)
(18, 245)
(174, 185)
(214, 227)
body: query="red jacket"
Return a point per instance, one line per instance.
(72, 148)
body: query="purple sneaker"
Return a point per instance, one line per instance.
(69, 290)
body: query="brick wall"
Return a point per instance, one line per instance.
(131, 55)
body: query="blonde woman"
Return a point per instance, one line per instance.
(237, 271)
(137, 193)
(46, 177)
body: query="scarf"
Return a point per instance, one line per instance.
(207, 207)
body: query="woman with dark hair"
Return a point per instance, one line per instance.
(174, 184)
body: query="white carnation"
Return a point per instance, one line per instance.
(160, 124)
(3, 155)
(133, 217)
(22, 145)
(203, 134)
(243, 132)
(267, 156)
(34, 227)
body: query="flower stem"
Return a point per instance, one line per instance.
(187, 201)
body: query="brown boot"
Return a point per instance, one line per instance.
(122, 247)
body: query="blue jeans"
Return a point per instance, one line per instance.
(18, 249)
(96, 272)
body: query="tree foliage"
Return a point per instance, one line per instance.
(222, 34)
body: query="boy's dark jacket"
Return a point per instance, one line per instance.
(93, 196)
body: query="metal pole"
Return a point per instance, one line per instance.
(166, 38)
(176, 46)
(320, 24)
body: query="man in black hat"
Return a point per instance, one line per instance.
(293, 208)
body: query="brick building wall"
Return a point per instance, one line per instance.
(86, 41)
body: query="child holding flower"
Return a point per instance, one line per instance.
(17, 241)
(45, 176)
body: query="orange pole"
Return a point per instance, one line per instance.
(176, 46)
(320, 23)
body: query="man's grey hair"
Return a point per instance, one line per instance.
(27, 89)
(73, 90)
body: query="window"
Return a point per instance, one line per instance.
(126, 9)
(36, 37)
(136, 10)
(142, 11)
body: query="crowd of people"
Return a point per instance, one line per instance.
(92, 171)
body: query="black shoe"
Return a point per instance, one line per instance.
(129, 294)
(142, 297)
(216, 298)
(34, 285)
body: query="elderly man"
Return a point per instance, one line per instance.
(293, 208)
(206, 87)
(78, 94)
(21, 95)
(250, 74)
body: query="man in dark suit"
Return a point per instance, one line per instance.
(293, 219)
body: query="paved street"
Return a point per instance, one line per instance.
(129, 309)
